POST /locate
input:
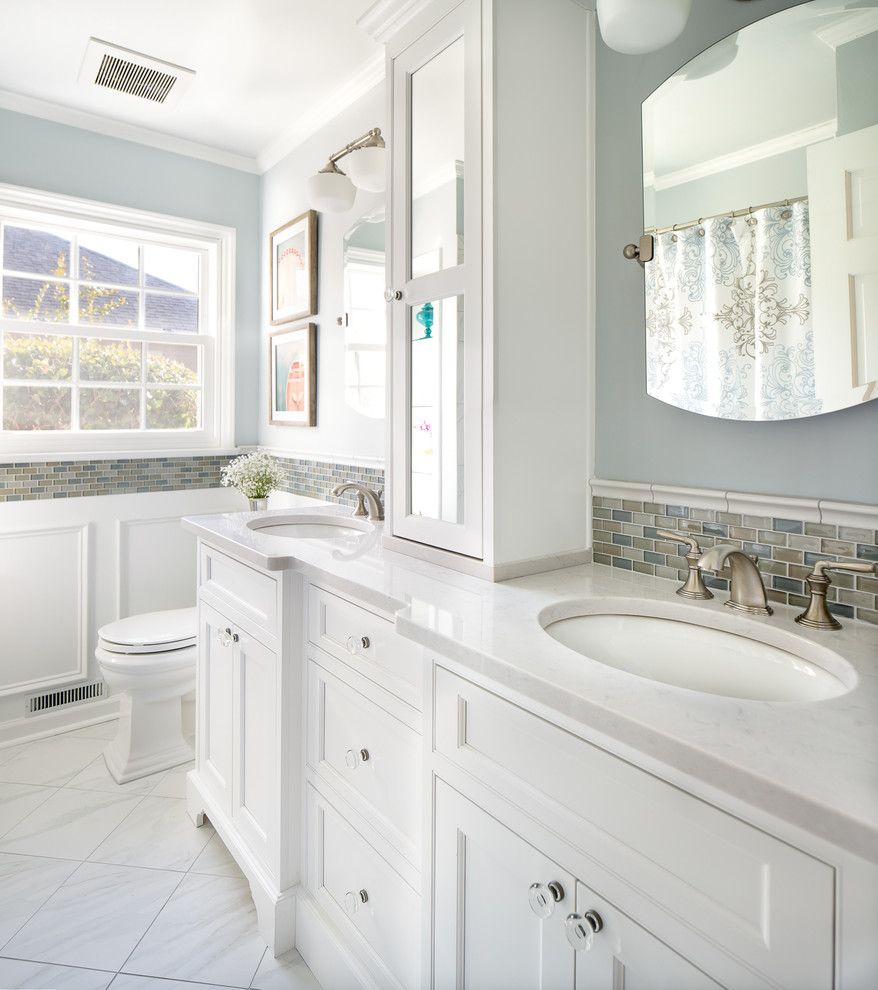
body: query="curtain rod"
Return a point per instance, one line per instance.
(729, 213)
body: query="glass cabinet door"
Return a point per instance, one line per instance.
(435, 285)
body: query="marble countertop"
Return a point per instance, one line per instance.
(813, 765)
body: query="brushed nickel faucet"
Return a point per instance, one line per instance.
(746, 588)
(694, 586)
(365, 495)
(817, 615)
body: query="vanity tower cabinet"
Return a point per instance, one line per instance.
(490, 293)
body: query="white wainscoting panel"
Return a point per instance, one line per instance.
(44, 606)
(69, 566)
(155, 565)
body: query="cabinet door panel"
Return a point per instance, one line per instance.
(256, 781)
(486, 937)
(435, 265)
(625, 956)
(216, 666)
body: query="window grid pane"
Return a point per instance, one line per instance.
(72, 382)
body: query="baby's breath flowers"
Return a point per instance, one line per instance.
(255, 475)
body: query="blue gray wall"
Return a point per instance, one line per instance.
(61, 159)
(639, 438)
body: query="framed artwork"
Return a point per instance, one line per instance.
(293, 269)
(292, 376)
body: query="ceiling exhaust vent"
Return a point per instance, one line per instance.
(132, 73)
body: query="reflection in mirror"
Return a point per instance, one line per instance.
(760, 161)
(437, 163)
(437, 477)
(365, 315)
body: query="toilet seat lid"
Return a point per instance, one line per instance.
(150, 632)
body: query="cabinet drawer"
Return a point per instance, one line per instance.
(361, 889)
(763, 901)
(366, 753)
(367, 642)
(252, 593)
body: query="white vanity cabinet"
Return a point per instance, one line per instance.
(247, 775)
(410, 822)
(674, 878)
(507, 916)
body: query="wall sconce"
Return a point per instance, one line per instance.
(332, 191)
(635, 27)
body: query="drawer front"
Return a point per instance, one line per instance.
(361, 889)
(370, 756)
(368, 643)
(763, 901)
(253, 594)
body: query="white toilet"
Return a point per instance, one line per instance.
(150, 658)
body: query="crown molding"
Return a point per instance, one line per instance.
(33, 107)
(309, 123)
(754, 153)
(849, 29)
(385, 17)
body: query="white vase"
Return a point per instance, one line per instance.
(258, 504)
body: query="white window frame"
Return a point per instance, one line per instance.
(217, 246)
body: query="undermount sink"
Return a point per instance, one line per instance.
(703, 658)
(311, 527)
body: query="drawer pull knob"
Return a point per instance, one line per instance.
(354, 644)
(543, 897)
(352, 900)
(354, 757)
(227, 637)
(582, 928)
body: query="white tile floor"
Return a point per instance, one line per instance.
(103, 885)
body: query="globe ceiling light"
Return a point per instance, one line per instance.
(635, 27)
(331, 191)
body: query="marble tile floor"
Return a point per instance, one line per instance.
(103, 885)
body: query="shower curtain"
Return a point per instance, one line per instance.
(728, 316)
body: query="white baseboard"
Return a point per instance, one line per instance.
(21, 730)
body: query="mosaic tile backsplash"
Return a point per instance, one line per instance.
(28, 480)
(625, 537)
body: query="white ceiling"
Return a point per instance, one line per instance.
(268, 72)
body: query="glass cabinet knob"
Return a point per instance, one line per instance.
(543, 897)
(353, 900)
(354, 757)
(582, 928)
(392, 295)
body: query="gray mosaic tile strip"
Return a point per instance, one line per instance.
(25, 481)
(625, 537)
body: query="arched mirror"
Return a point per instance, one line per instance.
(365, 330)
(760, 188)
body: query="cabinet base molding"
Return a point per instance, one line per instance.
(275, 908)
(488, 572)
(325, 950)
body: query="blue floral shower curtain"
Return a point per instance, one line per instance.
(728, 316)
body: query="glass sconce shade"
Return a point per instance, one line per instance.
(366, 169)
(331, 192)
(634, 27)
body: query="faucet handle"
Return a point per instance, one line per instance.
(817, 615)
(694, 586)
(855, 567)
(672, 534)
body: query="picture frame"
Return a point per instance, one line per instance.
(292, 376)
(293, 270)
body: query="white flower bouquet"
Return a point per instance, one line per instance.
(256, 475)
